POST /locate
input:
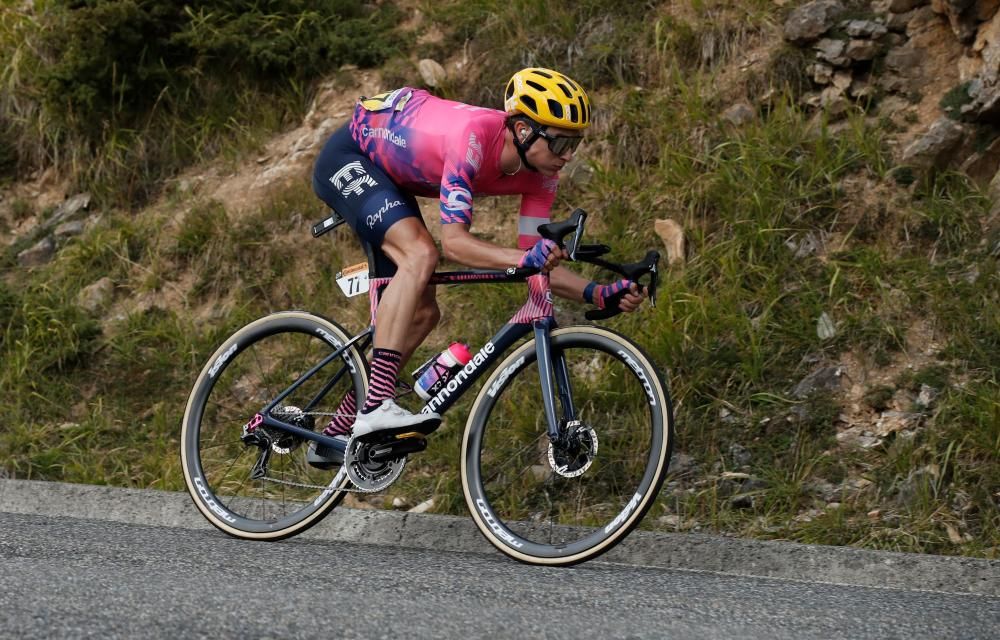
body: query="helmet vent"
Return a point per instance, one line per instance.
(565, 89)
(534, 85)
(529, 102)
(574, 113)
(543, 73)
(555, 108)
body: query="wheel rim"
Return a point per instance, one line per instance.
(529, 509)
(263, 361)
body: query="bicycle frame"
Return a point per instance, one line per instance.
(535, 316)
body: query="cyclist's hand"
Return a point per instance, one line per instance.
(545, 255)
(624, 295)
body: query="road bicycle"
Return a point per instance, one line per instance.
(565, 447)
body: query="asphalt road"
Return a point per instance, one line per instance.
(74, 578)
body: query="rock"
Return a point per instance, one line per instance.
(825, 328)
(832, 51)
(934, 149)
(672, 235)
(984, 165)
(962, 16)
(682, 464)
(741, 501)
(902, 59)
(833, 100)
(842, 80)
(897, 22)
(68, 209)
(811, 243)
(808, 22)
(865, 29)
(37, 255)
(432, 72)
(926, 397)
(670, 521)
(861, 89)
(822, 379)
(70, 229)
(917, 480)
(861, 50)
(753, 483)
(822, 73)
(96, 296)
(739, 114)
(985, 93)
(896, 421)
(399, 503)
(739, 454)
(903, 6)
(423, 507)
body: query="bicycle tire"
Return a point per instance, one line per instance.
(244, 374)
(512, 487)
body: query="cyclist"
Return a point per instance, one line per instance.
(408, 143)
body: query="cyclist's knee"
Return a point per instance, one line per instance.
(419, 258)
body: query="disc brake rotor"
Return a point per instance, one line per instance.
(576, 452)
(281, 441)
(370, 475)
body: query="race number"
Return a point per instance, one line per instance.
(353, 280)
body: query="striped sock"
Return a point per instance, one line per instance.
(382, 384)
(342, 422)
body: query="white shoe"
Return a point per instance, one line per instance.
(390, 417)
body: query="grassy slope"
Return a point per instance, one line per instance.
(904, 274)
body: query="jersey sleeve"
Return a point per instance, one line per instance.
(536, 209)
(461, 164)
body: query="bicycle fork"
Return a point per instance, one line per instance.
(554, 377)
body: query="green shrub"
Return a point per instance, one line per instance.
(124, 92)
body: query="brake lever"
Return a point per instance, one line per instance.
(634, 272)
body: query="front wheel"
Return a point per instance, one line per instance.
(253, 481)
(564, 502)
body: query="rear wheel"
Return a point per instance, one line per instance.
(564, 502)
(254, 481)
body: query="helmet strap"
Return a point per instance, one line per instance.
(522, 146)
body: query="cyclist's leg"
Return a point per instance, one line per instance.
(389, 220)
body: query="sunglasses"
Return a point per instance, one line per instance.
(559, 145)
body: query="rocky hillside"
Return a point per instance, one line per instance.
(822, 176)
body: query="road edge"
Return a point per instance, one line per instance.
(684, 551)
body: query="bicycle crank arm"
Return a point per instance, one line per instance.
(399, 448)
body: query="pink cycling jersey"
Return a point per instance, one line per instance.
(431, 146)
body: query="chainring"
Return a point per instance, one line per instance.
(576, 452)
(370, 475)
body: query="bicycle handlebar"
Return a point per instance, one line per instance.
(591, 253)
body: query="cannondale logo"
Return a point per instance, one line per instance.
(352, 178)
(459, 199)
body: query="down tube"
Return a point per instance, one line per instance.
(490, 352)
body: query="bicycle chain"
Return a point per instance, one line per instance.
(303, 485)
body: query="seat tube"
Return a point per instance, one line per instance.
(543, 350)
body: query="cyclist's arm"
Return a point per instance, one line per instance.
(460, 245)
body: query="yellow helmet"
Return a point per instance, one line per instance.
(548, 97)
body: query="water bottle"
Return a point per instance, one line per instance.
(434, 374)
